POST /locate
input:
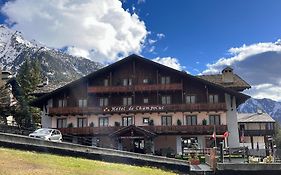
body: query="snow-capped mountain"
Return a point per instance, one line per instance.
(271, 107)
(56, 65)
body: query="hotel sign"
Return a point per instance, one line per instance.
(133, 108)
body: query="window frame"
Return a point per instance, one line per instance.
(217, 119)
(165, 121)
(125, 101)
(127, 121)
(143, 120)
(192, 118)
(84, 122)
(164, 99)
(103, 119)
(189, 96)
(61, 121)
(103, 101)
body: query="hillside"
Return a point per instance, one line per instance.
(59, 67)
(24, 162)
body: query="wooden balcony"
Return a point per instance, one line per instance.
(183, 129)
(136, 109)
(136, 88)
(73, 110)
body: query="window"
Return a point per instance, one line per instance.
(62, 103)
(270, 126)
(190, 99)
(103, 102)
(82, 103)
(166, 120)
(81, 122)
(165, 80)
(127, 101)
(166, 100)
(127, 82)
(127, 121)
(105, 82)
(214, 120)
(213, 98)
(145, 100)
(61, 123)
(145, 81)
(103, 121)
(145, 120)
(191, 120)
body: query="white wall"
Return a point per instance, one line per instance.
(231, 121)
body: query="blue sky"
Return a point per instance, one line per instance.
(202, 31)
(199, 36)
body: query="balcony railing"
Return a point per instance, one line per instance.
(258, 132)
(138, 88)
(141, 108)
(183, 129)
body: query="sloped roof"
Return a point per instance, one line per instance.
(133, 128)
(254, 117)
(238, 82)
(136, 57)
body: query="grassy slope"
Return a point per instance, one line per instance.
(23, 162)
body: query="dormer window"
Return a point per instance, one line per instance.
(165, 80)
(127, 82)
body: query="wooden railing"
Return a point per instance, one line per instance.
(136, 108)
(183, 129)
(140, 87)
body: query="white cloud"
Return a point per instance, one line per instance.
(101, 30)
(259, 64)
(160, 35)
(170, 62)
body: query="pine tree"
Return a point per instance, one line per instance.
(4, 103)
(29, 76)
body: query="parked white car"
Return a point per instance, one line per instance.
(47, 134)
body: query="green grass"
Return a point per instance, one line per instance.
(17, 162)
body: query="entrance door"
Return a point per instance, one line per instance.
(139, 146)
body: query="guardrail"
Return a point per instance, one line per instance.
(95, 153)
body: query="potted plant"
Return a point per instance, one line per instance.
(179, 122)
(92, 124)
(151, 123)
(70, 125)
(117, 124)
(204, 122)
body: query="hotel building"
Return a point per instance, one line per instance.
(139, 105)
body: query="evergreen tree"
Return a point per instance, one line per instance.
(29, 76)
(4, 103)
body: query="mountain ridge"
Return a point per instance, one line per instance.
(56, 65)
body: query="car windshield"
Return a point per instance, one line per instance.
(43, 131)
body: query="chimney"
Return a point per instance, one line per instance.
(227, 75)
(259, 111)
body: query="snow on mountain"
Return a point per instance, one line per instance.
(56, 65)
(271, 107)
